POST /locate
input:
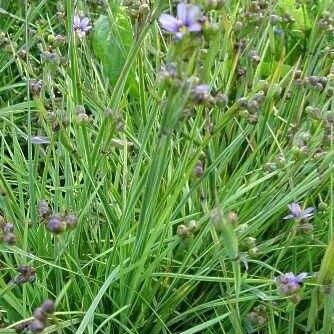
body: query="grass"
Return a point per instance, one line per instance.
(180, 198)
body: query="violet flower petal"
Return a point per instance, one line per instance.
(169, 23)
(309, 210)
(76, 21)
(195, 27)
(301, 277)
(84, 22)
(193, 14)
(182, 9)
(295, 209)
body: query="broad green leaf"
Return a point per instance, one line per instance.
(112, 39)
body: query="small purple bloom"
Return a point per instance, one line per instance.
(201, 93)
(296, 212)
(81, 25)
(188, 18)
(202, 89)
(288, 283)
(56, 224)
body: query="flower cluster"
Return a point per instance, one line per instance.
(289, 284)
(250, 107)
(258, 316)
(56, 223)
(27, 274)
(41, 316)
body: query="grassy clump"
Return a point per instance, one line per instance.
(144, 178)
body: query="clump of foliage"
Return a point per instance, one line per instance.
(166, 167)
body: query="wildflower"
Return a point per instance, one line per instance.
(51, 57)
(199, 169)
(81, 25)
(201, 93)
(35, 86)
(56, 224)
(27, 275)
(48, 306)
(288, 284)
(168, 73)
(36, 326)
(296, 212)
(258, 316)
(40, 314)
(188, 18)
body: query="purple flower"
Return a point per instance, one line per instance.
(201, 93)
(288, 283)
(81, 25)
(56, 224)
(187, 19)
(296, 212)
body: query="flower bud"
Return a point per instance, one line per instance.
(48, 306)
(35, 86)
(214, 4)
(43, 209)
(232, 217)
(36, 326)
(71, 221)
(10, 239)
(183, 231)
(8, 228)
(56, 224)
(39, 314)
(199, 169)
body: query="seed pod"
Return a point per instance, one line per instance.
(8, 228)
(71, 221)
(232, 217)
(10, 239)
(43, 209)
(183, 231)
(35, 86)
(199, 169)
